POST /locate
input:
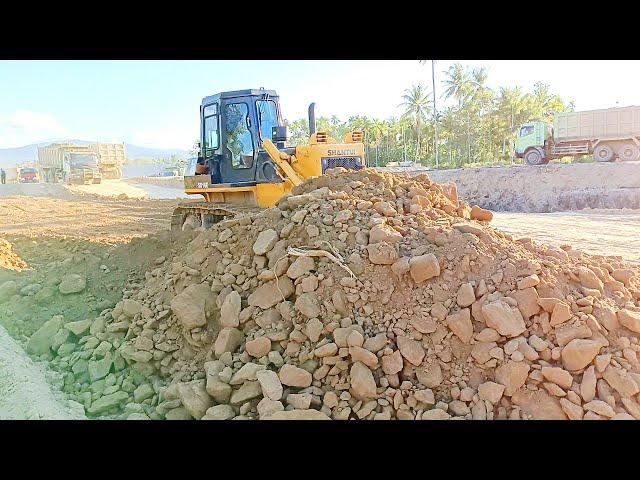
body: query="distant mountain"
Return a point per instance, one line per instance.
(29, 153)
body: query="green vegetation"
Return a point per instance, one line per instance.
(477, 128)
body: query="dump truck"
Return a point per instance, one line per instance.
(243, 163)
(608, 134)
(111, 156)
(68, 163)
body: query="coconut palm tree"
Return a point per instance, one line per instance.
(458, 83)
(417, 107)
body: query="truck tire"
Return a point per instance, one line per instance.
(534, 157)
(629, 152)
(603, 153)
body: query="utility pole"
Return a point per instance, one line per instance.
(435, 112)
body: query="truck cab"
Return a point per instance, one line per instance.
(531, 141)
(28, 175)
(232, 127)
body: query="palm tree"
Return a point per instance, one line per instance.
(457, 84)
(417, 107)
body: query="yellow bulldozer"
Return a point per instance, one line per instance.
(243, 164)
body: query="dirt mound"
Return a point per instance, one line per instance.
(373, 296)
(8, 259)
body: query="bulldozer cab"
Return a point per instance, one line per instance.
(233, 126)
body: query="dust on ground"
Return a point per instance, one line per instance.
(25, 391)
(601, 232)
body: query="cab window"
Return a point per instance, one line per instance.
(211, 137)
(239, 141)
(268, 115)
(526, 130)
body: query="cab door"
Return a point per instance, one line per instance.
(238, 142)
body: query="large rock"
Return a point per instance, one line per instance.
(194, 397)
(297, 415)
(503, 318)
(460, 324)
(7, 290)
(72, 283)
(430, 376)
(107, 402)
(559, 376)
(294, 376)
(392, 364)
(382, 253)
(230, 310)
(99, 369)
(411, 350)
(363, 385)
(466, 295)
(512, 375)
(189, 306)
(41, 341)
(78, 328)
(424, 267)
(270, 384)
(630, 320)
(384, 233)
(588, 278)
(219, 412)
(258, 347)
(130, 307)
(271, 293)
(265, 241)
(621, 381)
(300, 267)
(539, 404)
(308, 305)
(579, 353)
(228, 340)
(527, 299)
(248, 391)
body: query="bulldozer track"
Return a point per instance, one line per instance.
(209, 213)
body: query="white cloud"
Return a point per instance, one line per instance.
(25, 126)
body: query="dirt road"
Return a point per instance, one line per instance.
(604, 232)
(546, 188)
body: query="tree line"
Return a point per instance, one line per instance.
(477, 127)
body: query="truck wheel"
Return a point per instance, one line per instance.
(533, 157)
(603, 153)
(629, 152)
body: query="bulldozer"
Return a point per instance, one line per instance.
(243, 164)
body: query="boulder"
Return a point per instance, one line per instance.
(265, 242)
(382, 253)
(271, 293)
(424, 267)
(189, 306)
(460, 324)
(230, 310)
(194, 397)
(503, 318)
(363, 385)
(294, 377)
(579, 353)
(41, 341)
(72, 283)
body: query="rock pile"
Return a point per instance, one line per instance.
(374, 296)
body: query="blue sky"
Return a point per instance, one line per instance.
(155, 103)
